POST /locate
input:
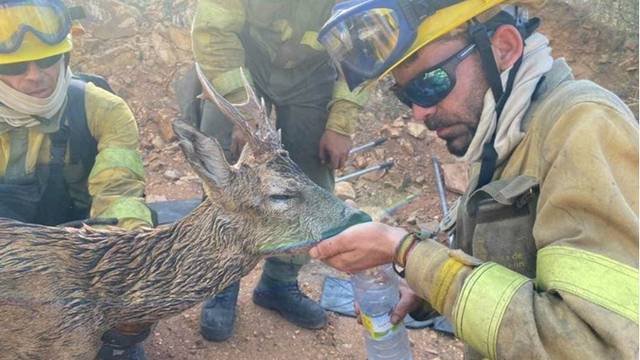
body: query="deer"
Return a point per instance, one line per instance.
(61, 288)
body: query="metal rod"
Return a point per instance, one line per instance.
(368, 145)
(442, 196)
(384, 166)
(441, 193)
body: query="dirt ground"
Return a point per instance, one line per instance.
(142, 46)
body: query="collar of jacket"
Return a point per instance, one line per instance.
(47, 126)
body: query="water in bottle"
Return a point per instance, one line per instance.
(376, 292)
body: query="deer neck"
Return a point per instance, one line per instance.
(162, 272)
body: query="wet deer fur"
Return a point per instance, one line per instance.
(62, 288)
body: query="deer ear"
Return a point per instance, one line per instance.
(204, 154)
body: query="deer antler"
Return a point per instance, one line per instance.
(263, 140)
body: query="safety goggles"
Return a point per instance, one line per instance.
(434, 84)
(366, 37)
(21, 67)
(48, 20)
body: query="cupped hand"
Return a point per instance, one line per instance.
(360, 247)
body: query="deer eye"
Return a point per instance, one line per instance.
(281, 197)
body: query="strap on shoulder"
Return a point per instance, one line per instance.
(83, 145)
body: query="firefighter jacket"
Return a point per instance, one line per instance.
(548, 265)
(113, 187)
(277, 41)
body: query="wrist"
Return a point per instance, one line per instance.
(394, 237)
(403, 248)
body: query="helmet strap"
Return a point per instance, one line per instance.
(480, 36)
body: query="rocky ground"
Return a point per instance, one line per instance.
(142, 46)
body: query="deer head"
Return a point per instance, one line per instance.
(280, 208)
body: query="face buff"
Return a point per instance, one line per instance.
(21, 110)
(536, 61)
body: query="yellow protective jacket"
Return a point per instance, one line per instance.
(284, 31)
(114, 186)
(550, 262)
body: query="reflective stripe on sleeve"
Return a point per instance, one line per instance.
(593, 277)
(230, 81)
(128, 208)
(110, 158)
(484, 298)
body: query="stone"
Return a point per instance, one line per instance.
(345, 191)
(172, 174)
(398, 123)
(157, 142)
(407, 147)
(390, 132)
(110, 19)
(417, 130)
(419, 180)
(456, 177)
(164, 119)
(398, 181)
(163, 49)
(180, 38)
(360, 161)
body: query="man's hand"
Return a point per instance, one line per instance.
(334, 149)
(360, 247)
(409, 301)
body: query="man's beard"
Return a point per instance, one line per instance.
(464, 123)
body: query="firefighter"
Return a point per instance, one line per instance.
(68, 148)
(545, 262)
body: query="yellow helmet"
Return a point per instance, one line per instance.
(369, 38)
(33, 29)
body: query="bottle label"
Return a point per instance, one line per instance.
(377, 326)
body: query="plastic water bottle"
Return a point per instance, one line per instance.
(376, 292)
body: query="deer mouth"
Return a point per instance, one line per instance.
(357, 217)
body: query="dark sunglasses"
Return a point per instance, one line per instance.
(21, 67)
(434, 84)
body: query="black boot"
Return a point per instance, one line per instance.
(287, 299)
(117, 346)
(218, 314)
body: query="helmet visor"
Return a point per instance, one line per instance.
(45, 19)
(364, 43)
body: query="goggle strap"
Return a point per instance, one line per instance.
(489, 153)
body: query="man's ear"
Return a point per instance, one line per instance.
(507, 45)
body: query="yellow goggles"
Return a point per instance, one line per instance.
(47, 20)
